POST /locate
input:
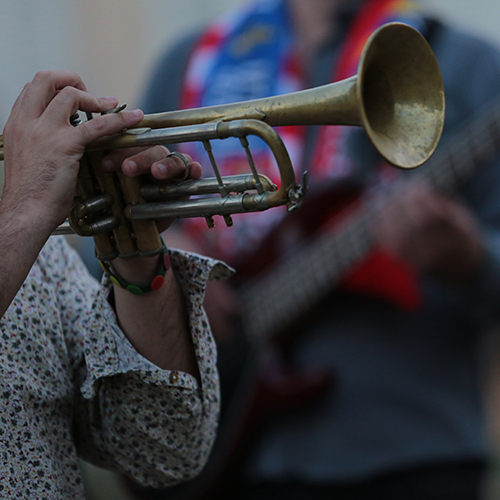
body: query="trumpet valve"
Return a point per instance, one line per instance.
(210, 221)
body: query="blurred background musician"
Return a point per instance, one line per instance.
(404, 331)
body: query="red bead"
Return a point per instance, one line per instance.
(157, 283)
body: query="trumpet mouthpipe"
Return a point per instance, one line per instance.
(159, 136)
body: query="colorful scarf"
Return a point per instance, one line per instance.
(247, 54)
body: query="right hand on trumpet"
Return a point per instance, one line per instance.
(42, 149)
(42, 153)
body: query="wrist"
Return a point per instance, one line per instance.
(16, 218)
(29, 212)
(139, 275)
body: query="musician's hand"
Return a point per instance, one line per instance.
(155, 161)
(433, 232)
(42, 149)
(156, 323)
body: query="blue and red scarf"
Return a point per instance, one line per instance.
(250, 53)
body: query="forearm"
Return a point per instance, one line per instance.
(21, 239)
(155, 323)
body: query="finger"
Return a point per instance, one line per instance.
(397, 220)
(136, 161)
(108, 124)
(141, 163)
(19, 100)
(411, 208)
(44, 87)
(196, 170)
(70, 99)
(114, 159)
(176, 167)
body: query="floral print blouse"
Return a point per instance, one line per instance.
(71, 385)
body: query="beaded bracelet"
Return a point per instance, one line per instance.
(156, 282)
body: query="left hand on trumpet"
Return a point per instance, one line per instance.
(157, 161)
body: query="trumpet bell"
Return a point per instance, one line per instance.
(401, 96)
(397, 97)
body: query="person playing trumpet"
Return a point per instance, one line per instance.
(126, 382)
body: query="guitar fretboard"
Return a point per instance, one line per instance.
(278, 299)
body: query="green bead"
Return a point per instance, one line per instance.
(135, 290)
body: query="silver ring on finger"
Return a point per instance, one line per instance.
(186, 164)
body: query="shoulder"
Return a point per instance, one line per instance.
(470, 65)
(468, 61)
(458, 48)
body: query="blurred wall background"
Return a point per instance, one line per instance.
(114, 43)
(111, 43)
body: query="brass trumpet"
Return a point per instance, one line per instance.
(397, 97)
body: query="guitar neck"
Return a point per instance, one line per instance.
(278, 299)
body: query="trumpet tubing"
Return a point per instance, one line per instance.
(397, 97)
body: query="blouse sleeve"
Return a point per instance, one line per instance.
(155, 425)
